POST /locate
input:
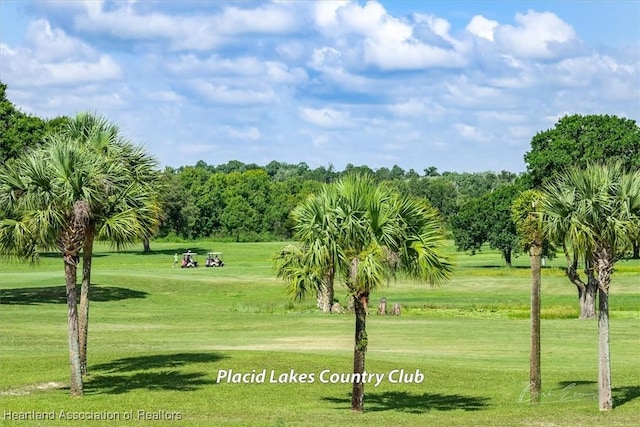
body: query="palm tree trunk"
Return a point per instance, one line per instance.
(604, 367)
(70, 267)
(586, 291)
(588, 297)
(605, 261)
(87, 255)
(326, 293)
(146, 246)
(636, 249)
(535, 376)
(360, 348)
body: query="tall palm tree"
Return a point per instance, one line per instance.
(529, 226)
(593, 210)
(51, 193)
(372, 233)
(129, 214)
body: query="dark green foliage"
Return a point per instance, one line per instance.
(487, 219)
(20, 131)
(177, 205)
(470, 226)
(576, 140)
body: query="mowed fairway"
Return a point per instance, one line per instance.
(159, 336)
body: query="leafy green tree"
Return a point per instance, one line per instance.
(238, 217)
(247, 199)
(52, 192)
(573, 142)
(529, 226)
(592, 211)
(577, 140)
(19, 131)
(322, 174)
(440, 191)
(179, 211)
(487, 220)
(211, 202)
(363, 170)
(195, 182)
(373, 232)
(472, 185)
(470, 226)
(431, 171)
(502, 232)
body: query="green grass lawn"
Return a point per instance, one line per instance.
(160, 337)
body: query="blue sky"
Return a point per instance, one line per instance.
(460, 85)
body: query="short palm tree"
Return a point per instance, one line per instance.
(311, 267)
(50, 194)
(593, 210)
(370, 234)
(560, 201)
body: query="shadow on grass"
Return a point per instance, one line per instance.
(415, 403)
(156, 361)
(622, 395)
(58, 294)
(498, 267)
(158, 373)
(57, 255)
(180, 250)
(196, 250)
(162, 380)
(565, 384)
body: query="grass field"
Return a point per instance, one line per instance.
(161, 336)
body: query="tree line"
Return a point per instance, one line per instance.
(250, 202)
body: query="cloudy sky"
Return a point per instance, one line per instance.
(460, 85)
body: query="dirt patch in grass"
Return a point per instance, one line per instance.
(28, 389)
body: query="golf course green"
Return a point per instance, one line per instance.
(227, 346)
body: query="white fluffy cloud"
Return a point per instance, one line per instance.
(187, 31)
(538, 35)
(326, 82)
(51, 57)
(370, 33)
(482, 27)
(53, 44)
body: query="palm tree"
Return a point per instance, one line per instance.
(312, 266)
(51, 193)
(593, 210)
(371, 233)
(531, 231)
(130, 213)
(560, 201)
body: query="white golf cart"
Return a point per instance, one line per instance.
(189, 260)
(214, 259)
